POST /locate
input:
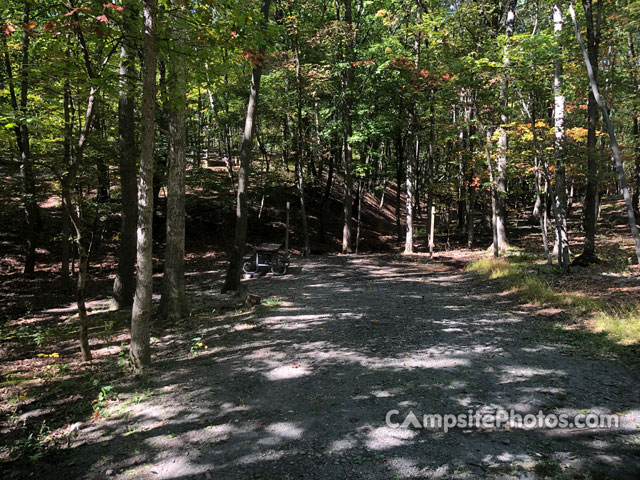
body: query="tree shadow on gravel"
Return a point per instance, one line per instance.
(300, 387)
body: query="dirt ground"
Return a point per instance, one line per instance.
(299, 387)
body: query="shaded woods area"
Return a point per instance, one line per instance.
(300, 386)
(240, 239)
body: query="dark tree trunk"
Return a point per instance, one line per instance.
(234, 271)
(140, 350)
(173, 304)
(501, 170)
(612, 137)
(66, 223)
(124, 285)
(31, 212)
(399, 160)
(590, 202)
(347, 131)
(636, 190)
(103, 180)
(327, 197)
(299, 148)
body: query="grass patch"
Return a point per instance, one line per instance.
(492, 268)
(514, 273)
(533, 283)
(620, 326)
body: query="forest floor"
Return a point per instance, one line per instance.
(299, 386)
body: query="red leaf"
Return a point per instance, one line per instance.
(50, 26)
(7, 29)
(102, 18)
(74, 10)
(117, 8)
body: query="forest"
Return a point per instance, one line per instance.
(237, 234)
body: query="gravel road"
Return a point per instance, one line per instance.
(300, 387)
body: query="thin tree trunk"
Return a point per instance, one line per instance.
(299, 147)
(124, 284)
(635, 132)
(590, 204)
(561, 247)
(471, 208)
(430, 160)
(31, 212)
(359, 216)
(542, 218)
(234, 271)
(636, 141)
(140, 350)
(173, 303)
(103, 180)
(73, 208)
(66, 223)
(540, 152)
(326, 198)
(494, 206)
(77, 221)
(399, 159)
(408, 239)
(347, 131)
(501, 174)
(612, 136)
(412, 152)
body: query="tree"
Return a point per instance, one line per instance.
(347, 129)
(21, 129)
(140, 350)
(234, 271)
(124, 284)
(501, 170)
(561, 247)
(590, 201)
(612, 137)
(173, 302)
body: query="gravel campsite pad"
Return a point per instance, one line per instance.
(299, 387)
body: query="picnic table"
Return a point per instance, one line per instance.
(267, 256)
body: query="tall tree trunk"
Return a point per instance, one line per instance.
(103, 180)
(531, 114)
(74, 208)
(66, 224)
(299, 147)
(124, 284)
(173, 303)
(412, 152)
(31, 212)
(612, 137)
(399, 160)
(326, 197)
(636, 141)
(140, 350)
(561, 247)
(347, 131)
(494, 195)
(430, 163)
(234, 271)
(78, 222)
(501, 171)
(590, 202)
(408, 206)
(635, 132)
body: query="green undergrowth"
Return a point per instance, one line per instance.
(600, 324)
